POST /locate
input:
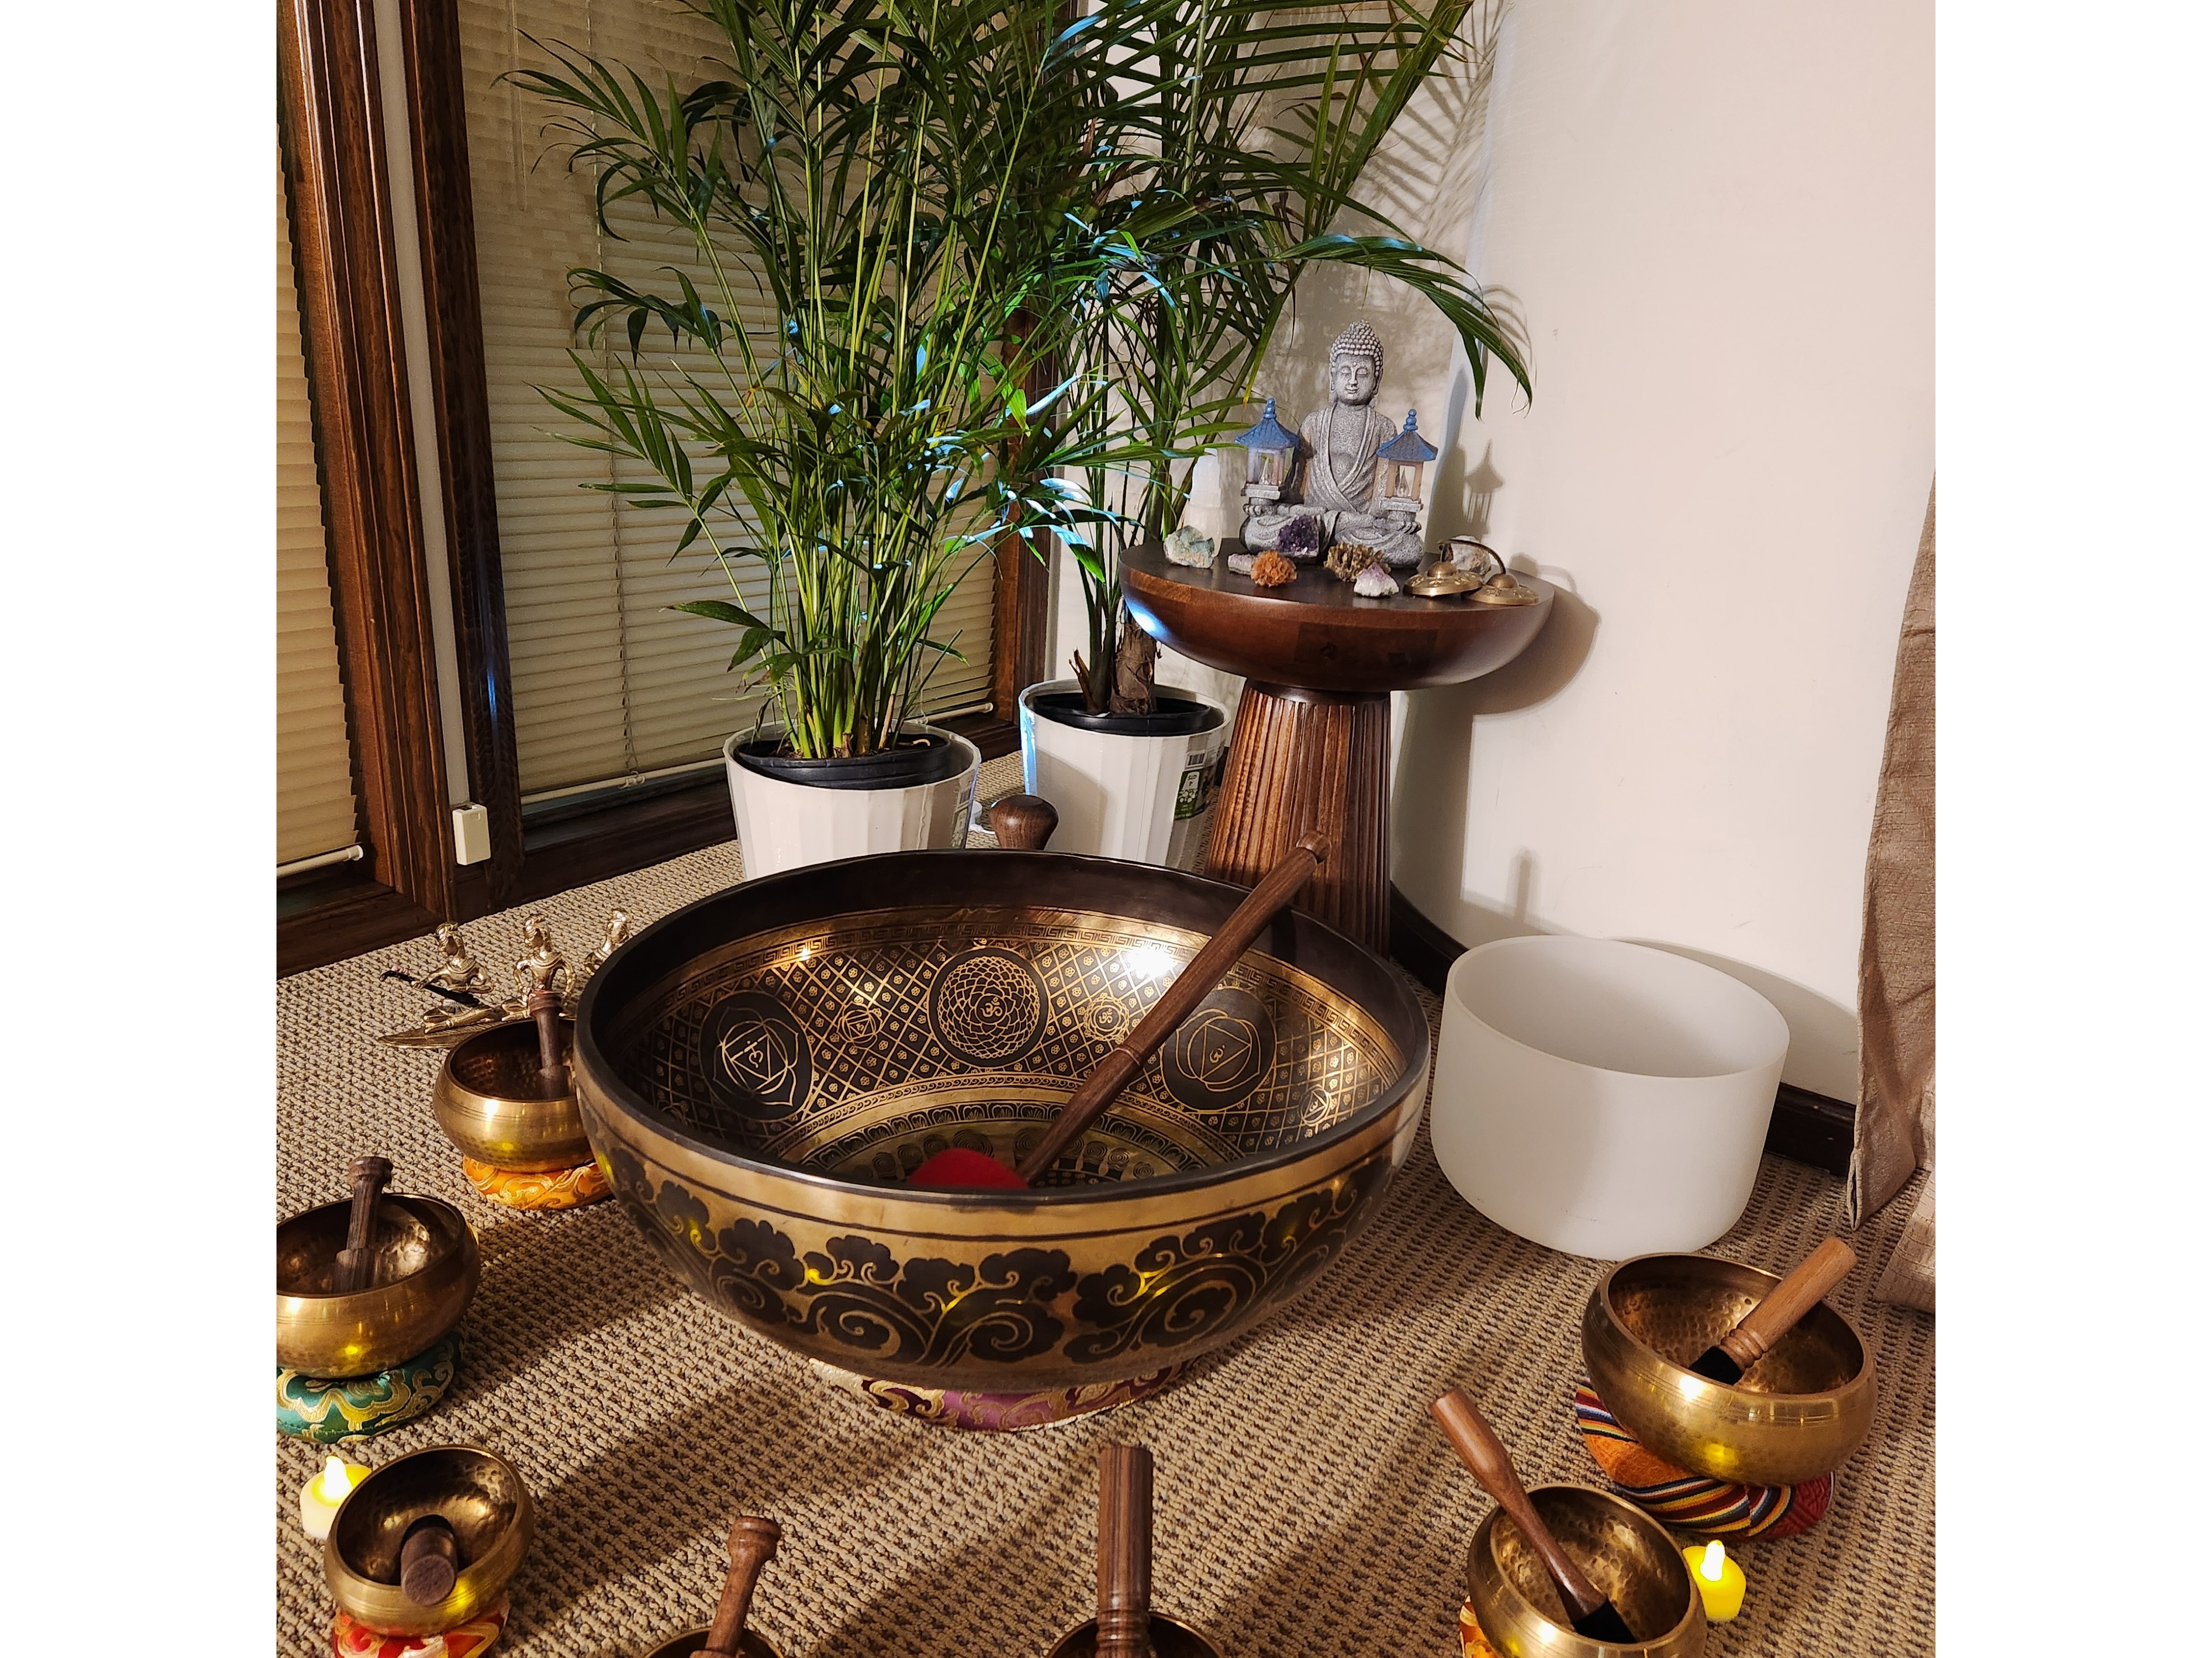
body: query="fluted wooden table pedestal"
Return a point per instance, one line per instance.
(1311, 748)
(1302, 760)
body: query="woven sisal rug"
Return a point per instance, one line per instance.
(1304, 1503)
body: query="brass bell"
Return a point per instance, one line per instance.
(1440, 581)
(1502, 589)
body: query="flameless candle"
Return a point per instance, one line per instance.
(320, 1496)
(1719, 1580)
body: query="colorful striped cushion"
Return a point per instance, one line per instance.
(1690, 1502)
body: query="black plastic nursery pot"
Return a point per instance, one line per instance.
(916, 759)
(1176, 716)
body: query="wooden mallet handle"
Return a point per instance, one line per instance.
(1023, 822)
(429, 1560)
(356, 1268)
(1208, 968)
(545, 1006)
(1125, 1552)
(1485, 1459)
(752, 1545)
(1789, 1301)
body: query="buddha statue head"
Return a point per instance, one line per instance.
(1355, 366)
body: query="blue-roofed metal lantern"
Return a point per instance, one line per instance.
(1268, 449)
(1407, 456)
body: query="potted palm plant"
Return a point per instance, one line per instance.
(878, 202)
(1226, 140)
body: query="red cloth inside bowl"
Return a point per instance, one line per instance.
(957, 1168)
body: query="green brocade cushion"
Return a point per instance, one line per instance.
(331, 1412)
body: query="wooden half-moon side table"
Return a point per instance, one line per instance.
(1311, 747)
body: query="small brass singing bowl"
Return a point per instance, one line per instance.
(1169, 1640)
(487, 1100)
(1622, 1550)
(427, 1268)
(750, 1645)
(480, 1495)
(1799, 1411)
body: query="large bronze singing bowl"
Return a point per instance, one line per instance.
(760, 1071)
(1797, 1413)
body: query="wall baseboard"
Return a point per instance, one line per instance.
(1808, 1128)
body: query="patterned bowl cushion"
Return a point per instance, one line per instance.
(545, 1188)
(352, 1640)
(336, 1412)
(1690, 1502)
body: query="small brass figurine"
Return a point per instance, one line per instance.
(617, 935)
(445, 1024)
(459, 971)
(536, 971)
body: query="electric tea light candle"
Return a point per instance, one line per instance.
(320, 1496)
(1719, 1580)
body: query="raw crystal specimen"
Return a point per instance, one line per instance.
(1187, 546)
(1299, 540)
(1348, 558)
(1272, 570)
(1375, 582)
(1241, 564)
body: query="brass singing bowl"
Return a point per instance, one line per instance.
(760, 1071)
(1623, 1550)
(480, 1497)
(1169, 1640)
(1798, 1413)
(750, 1645)
(487, 1100)
(427, 1262)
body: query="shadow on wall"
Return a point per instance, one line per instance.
(1824, 1035)
(1430, 819)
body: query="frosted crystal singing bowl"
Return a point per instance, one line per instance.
(759, 1072)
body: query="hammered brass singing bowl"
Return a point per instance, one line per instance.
(1623, 1550)
(750, 1645)
(487, 1100)
(759, 1071)
(480, 1495)
(427, 1265)
(1169, 1640)
(1798, 1413)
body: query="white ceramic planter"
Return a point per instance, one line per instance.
(783, 825)
(1148, 799)
(1602, 1098)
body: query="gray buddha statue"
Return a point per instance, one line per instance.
(1337, 477)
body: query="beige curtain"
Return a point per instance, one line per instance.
(1895, 1134)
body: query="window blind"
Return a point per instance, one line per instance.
(607, 683)
(315, 759)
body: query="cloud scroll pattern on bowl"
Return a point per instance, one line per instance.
(1245, 1155)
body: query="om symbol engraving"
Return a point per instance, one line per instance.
(987, 1006)
(755, 1057)
(1220, 1054)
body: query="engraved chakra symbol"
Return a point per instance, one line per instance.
(755, 1055)
(1219, 1056)
(987, 1006)
(1106, 1020)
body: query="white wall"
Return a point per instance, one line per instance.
(1715, 219)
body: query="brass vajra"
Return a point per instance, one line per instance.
(459, 1014)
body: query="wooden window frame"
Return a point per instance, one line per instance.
(350, 295)
(335, 178)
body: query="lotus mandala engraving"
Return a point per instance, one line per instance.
(755, 1057)
(987, 1006)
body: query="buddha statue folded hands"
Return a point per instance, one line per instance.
(1345, 437)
